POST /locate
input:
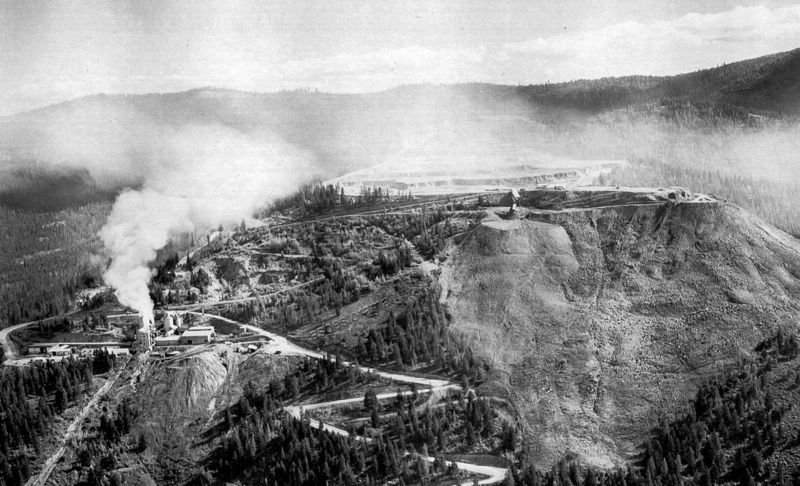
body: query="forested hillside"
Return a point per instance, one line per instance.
(740, 428)
(262, 443)
(45, 257)
(344, 132)
(729, 130)
(30, 187)
(31, 398)
(767, 84)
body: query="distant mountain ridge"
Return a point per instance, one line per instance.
(768, 83)
(345, 132)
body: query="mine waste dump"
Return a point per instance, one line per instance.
(587, 283)
(531, 335)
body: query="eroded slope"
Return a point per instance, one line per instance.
(599, 320)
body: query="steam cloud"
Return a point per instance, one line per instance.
(207, 176)
(179, 176)
(186, 172)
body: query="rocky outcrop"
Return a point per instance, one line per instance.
(234, 271)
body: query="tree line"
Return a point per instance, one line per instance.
(724, 436)
(419, 335)
(461, 424)
(266, 445)
(316, 199)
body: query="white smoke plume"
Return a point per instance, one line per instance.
(197, 177)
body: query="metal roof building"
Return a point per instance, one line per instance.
(201, 335)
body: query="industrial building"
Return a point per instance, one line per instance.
(59, 350)
(46, 348)
(171, 321)
(167, 341)
(197, 335)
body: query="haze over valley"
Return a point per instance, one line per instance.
(401, 255)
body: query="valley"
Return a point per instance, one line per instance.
(574, 320)
(587, 283)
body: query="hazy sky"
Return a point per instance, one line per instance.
(55, 50)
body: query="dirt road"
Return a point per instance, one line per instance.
(8, 345)
(382, 396)
(493, 475)
(5, 341)
(280, 343)
(48, 466)
(188, 307)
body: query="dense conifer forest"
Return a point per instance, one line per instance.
(729, 132)
(45, 257)
(420, 335)
(263, 442)
(31, 398)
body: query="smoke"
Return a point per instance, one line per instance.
(205, 176)
(191, 160)
(175, 169)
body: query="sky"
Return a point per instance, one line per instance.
(55, 50)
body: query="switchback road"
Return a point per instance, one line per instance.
(494, 475)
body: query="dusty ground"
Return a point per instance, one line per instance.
(599, 320)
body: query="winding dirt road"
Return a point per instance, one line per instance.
(494, 475)
(280, 343)
(8, 346)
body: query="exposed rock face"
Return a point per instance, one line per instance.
(597, 320)
(184, 398)
(234, 271)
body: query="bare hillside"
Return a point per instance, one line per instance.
(599, 319)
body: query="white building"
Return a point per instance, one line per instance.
(197, 335)
(167, 341)
(59, 350)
